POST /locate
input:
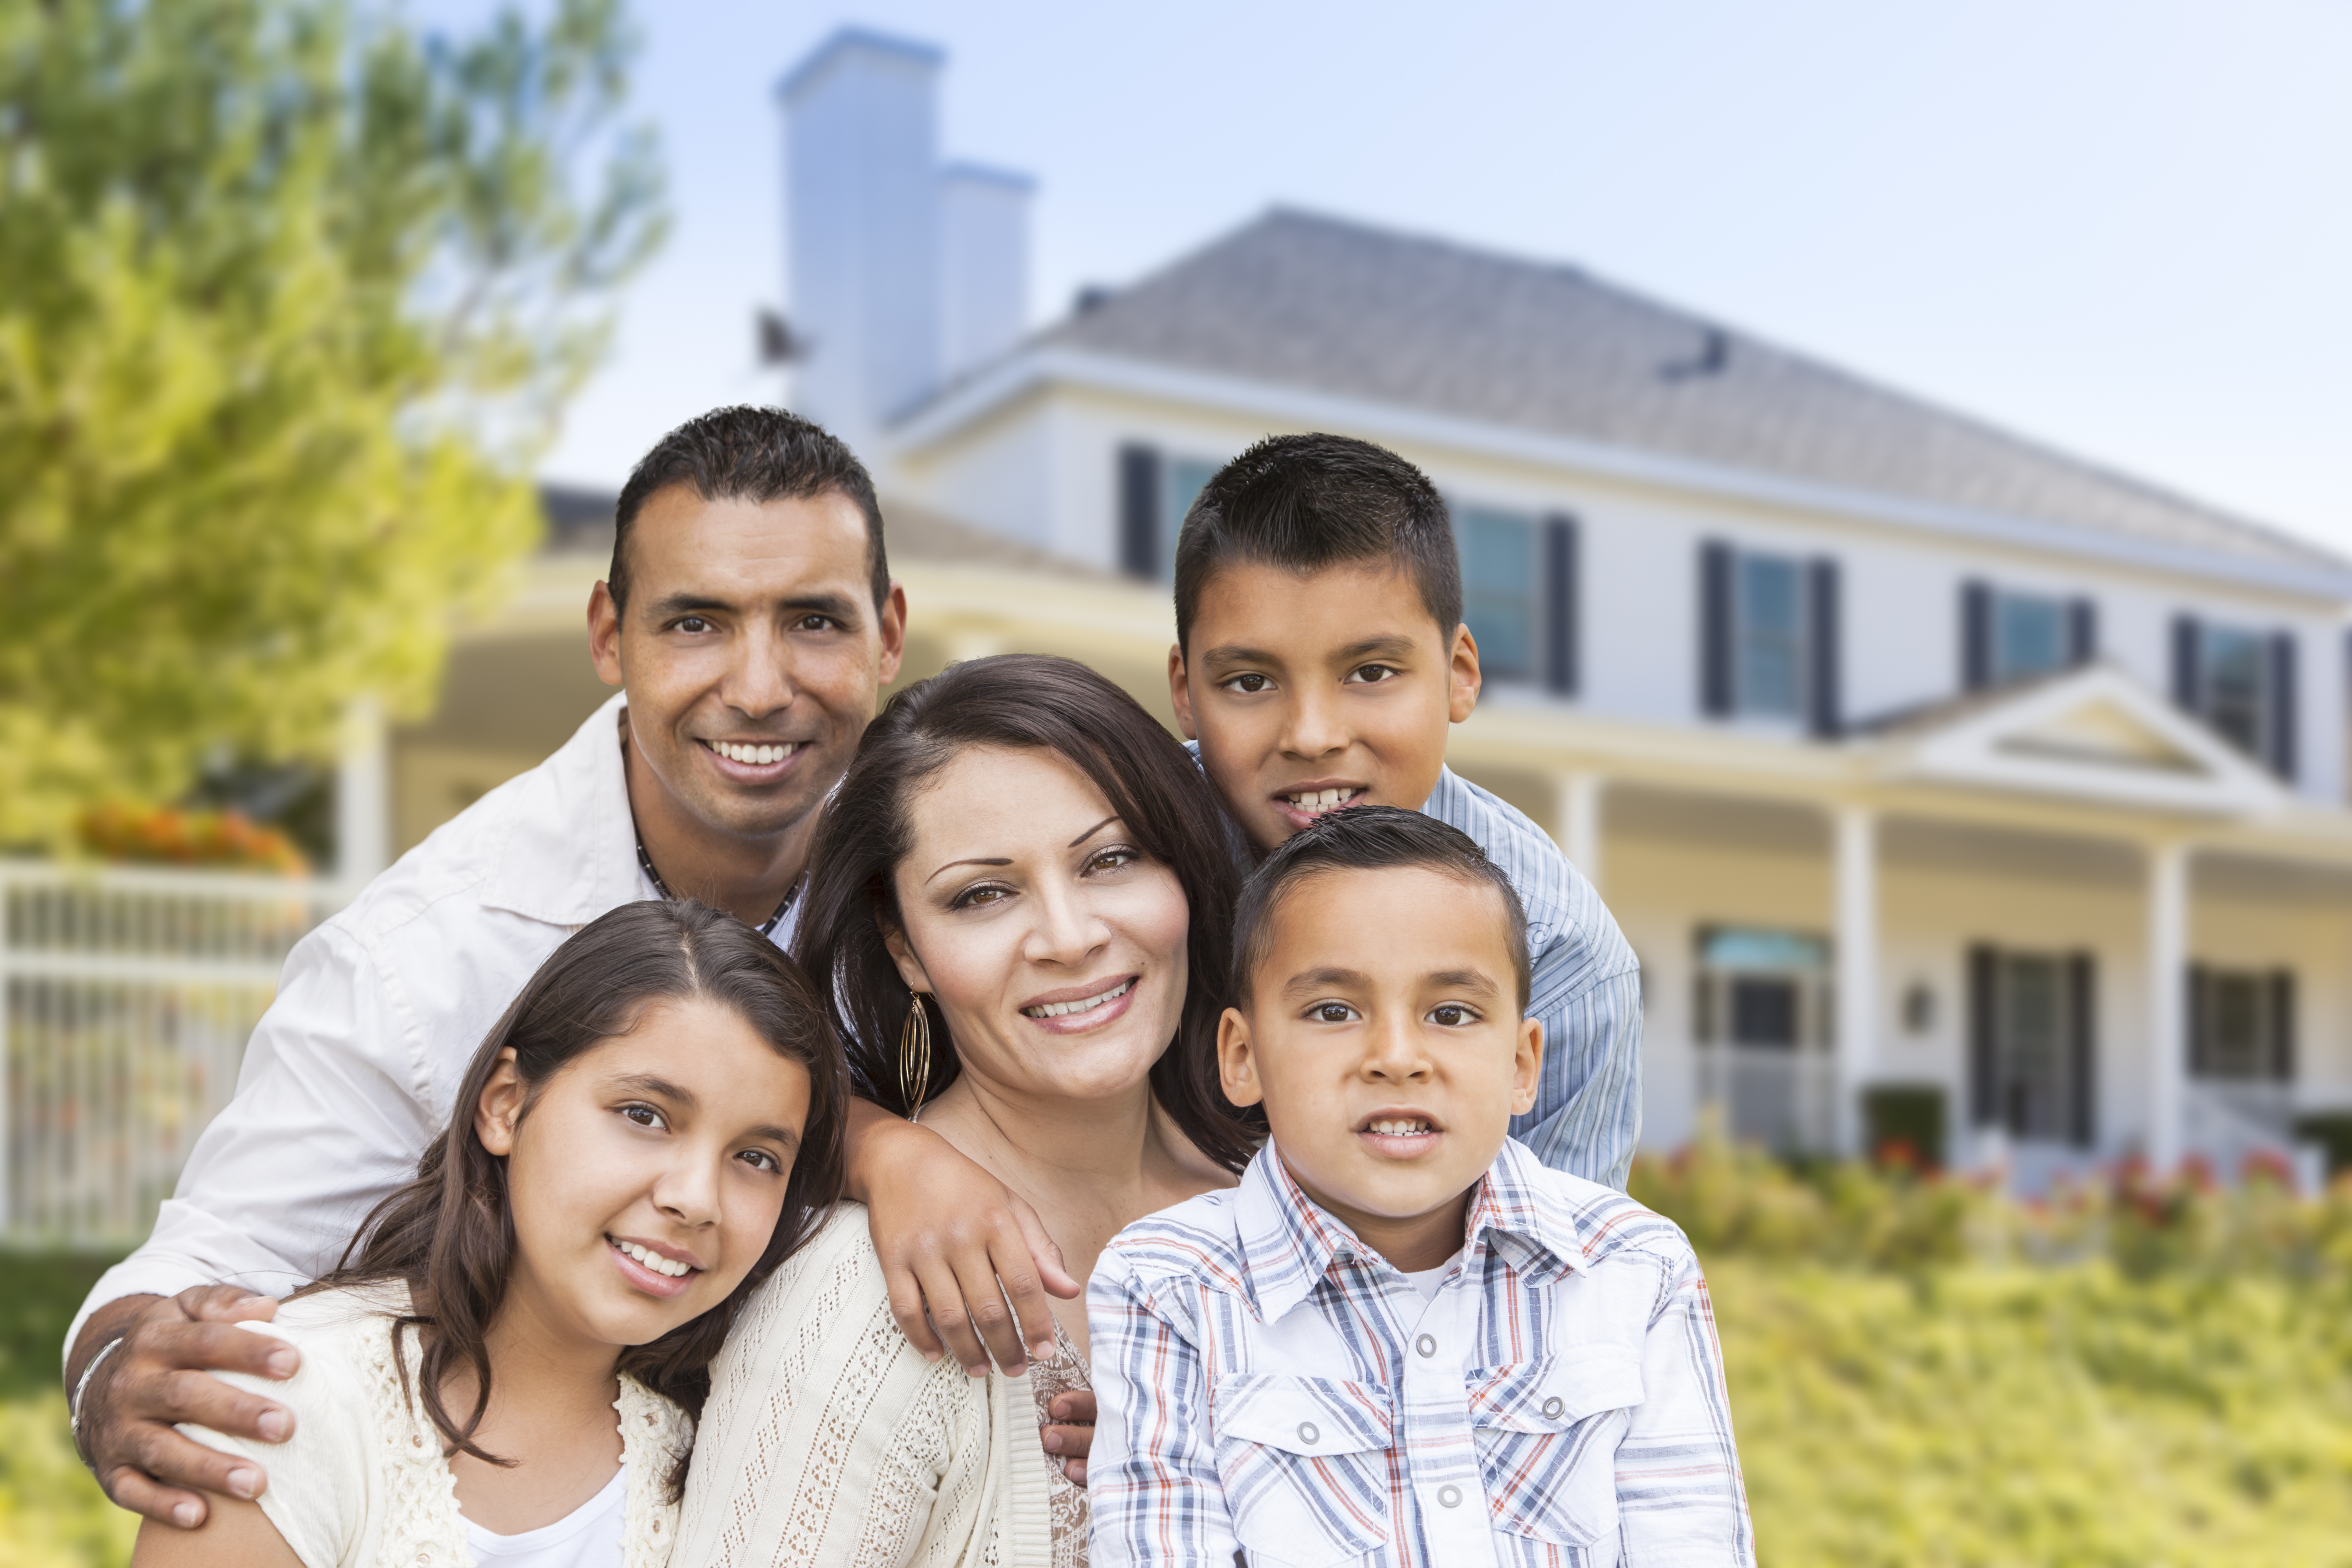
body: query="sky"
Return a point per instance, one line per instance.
(2121, 227)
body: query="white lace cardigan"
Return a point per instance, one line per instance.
(362, 1483)
(828, 1441)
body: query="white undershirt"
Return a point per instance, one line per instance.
(1426, 1281)
(587, 1537)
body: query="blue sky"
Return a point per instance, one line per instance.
(2122, 227)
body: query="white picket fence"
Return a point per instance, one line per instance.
(126, 998)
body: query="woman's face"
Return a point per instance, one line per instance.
(1054, 945)
(646, 1178)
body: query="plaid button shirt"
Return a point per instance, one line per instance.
(1273, 1392)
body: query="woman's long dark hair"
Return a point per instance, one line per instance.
(450, 1235)
(1020, 702)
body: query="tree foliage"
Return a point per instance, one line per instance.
(291, 296)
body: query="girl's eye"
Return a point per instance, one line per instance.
(1367, 674)
(1252, 684)
(975, 897)
(761, 1159)
(1331, 1013)
(1452, 1015)
(644, 1116)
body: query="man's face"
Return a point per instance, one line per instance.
(750, 649)
(1312, 691)
(1384, 1037)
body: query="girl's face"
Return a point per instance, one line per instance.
(1054, 945)
(647, 1177)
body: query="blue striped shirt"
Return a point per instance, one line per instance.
(1272, 1391)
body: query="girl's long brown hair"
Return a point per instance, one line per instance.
(1022, 702)
(450, 1235)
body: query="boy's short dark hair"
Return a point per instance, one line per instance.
(743, 453)
(1368, 838)
(1307, 502)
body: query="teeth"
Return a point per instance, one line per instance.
(1316, 799)
(652, 1259)
(734, 752)
(1393, 1128)
(1064, 1009)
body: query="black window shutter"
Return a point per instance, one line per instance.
(1561, 605)
(2082, 1049)
(2199, 1003)
(1715, 629)
(1984, 1036)
(2082, 631)
(2281, 1041)
(1976, 637)
(1139, 513)
(2282, 706)
(2187, 663)
(1824, 708)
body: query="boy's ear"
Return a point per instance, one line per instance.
(1527, 1066)
(1237, 1058)
(1180, 695)
(1462, 696)
(500, 1107)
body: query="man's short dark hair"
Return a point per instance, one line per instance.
(759, 455)
(1368, 838)
(1307, 502)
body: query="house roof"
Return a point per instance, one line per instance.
(1342, 308)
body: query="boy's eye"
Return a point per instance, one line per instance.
(1366, 674)
(1251, 684)
(644, 1116)
(1452, 1015)
(1331, 1013)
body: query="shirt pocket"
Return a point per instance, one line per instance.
(1546, 1431)
(1305, 1465)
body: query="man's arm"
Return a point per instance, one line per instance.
(325, 1122)
(1154, 1492)
(1588, 1114)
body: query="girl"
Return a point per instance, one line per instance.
(651, 1130)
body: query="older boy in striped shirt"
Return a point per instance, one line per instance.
(1402, 1341)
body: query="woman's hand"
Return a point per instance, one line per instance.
(955, 1246)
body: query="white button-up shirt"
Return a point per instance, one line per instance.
(352, 1069)
(1271, 1390)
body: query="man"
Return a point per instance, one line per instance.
(749, 619)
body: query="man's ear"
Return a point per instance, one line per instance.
(1237, 1059)
(1463, 675)
(500, 1107)
(1180, 692)
(892, 625)
(1527, 1066)
(604, 634)
(902, 954)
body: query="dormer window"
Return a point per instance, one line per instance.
(2240, 681)
(2006, 634)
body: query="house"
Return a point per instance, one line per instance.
(1948, 788)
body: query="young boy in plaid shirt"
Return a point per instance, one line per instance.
(1402, 1340)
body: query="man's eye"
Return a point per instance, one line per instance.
(818, 624)
(1248, 683)
(693, 623)
(1331, 1013)
(644, 1116)
(1366, 674)
(1452, 1015)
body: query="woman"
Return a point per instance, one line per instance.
(641, 1139)
(1021, 897)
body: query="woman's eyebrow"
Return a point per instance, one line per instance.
(997, 860)
(1090, 832)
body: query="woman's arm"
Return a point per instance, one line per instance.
(235, 1534)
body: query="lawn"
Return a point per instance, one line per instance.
(1922, 1374)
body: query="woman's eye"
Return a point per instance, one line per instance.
(644, 1116)
(1252, 684)
(1453, 1015)
(1112, 859)
(1331, 1013)
(1366, 674)
(974, 898)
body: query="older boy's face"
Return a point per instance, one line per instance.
(1314, 691)
(1383, 1035)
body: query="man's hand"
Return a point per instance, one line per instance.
(954, 1239)
(160, 1375)
(1070, 1436)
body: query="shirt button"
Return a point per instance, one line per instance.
(1449, 1497)
(1308, 1434)
(1427, 1346)
(1551, 1409)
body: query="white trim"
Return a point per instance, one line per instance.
(1031, 369)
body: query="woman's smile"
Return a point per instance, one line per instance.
(1082, 1007)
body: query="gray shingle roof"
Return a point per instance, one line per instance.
(1337, 307)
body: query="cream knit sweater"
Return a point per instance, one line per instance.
(828, 1440)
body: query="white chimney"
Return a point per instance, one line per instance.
(984, 264)
(862, 203)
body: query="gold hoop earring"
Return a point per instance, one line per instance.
(915, 1056)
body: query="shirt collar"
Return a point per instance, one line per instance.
(1291, 1241)
(570, 851)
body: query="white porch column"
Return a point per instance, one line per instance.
(1857, 969)
(1578, 814)
(362, 797)
(2167, 1043)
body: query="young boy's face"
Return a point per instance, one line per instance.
(1384, 1035)
(1311, 691)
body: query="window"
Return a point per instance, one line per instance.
(1187, 477)
(2233, 686)
(1501, 591)
(2241, 1025)
(1762, 1021)
(2031, 1049)
(1768, 636)
(2008, 635)
(1155, 492)
(2243, 683)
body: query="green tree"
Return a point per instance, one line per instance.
(290, 297)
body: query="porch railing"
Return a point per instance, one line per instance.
(126, 999)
